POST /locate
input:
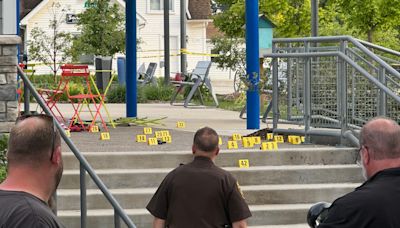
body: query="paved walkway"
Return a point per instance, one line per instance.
(122, 138)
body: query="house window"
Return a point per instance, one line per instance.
(158, 5)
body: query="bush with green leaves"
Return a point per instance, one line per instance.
(3, 161)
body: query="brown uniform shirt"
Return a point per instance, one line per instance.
(199, 194)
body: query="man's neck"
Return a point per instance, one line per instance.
(21, 180)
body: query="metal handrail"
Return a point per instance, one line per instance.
(84, 164)
(307, 54)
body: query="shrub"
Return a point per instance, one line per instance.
(3, 162)
(116, 94)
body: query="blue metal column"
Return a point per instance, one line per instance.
(130, 26)
(252, 62)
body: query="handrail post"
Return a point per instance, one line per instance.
(26, 99)
(82, 180)
(342, 92)
(307, 92)
(117, 221)
(275, 89)
(382, 95)
(289, 85)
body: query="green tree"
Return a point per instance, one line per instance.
(102, 27)
(51, 47)
(369, 17)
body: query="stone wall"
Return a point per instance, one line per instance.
(8, 81)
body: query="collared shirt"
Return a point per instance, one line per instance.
(199, 194)
(375, 204)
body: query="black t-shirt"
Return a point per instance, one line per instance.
(23, 210)
(199, 194)
(375, 204)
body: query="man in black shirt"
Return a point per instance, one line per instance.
(34, 171)
(199, 194)
(375, 203)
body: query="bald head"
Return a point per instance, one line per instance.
(382, 137)
(206, 140)
(31, 141)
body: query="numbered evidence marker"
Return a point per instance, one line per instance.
(269, 146)
(147, 131)
(303, 139)
(105, 136)
(180, 124)
(244, 163)
(165, 133)
(232, 145)
(236, 137)
(141, 138)
(152, 141)
(256, 140)
(220, 141)
(247, 142)
(294, 139)
(158, 134)
(68, 133)
(278, 139)
(270, 136)
(94, 129)
(167, 139)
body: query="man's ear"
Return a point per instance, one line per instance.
(366, 156)
(57, 155)
(193, 149)
(217, 151)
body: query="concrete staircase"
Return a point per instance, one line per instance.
(278, 186)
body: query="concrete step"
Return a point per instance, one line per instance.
(272, 214)
(255, 175)
(169, 159)
(68, 199)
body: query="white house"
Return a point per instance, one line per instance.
(149, 27)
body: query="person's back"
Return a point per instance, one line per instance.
(21, 209)
(374, 204)
(199, 194)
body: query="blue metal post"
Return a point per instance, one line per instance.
(131, 101)
(252, 62)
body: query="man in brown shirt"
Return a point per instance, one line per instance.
(199, 194)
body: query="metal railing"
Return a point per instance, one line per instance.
(85, 167)
(334, 85)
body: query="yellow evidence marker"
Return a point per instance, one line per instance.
(147, 131)
(232, 145)
(278, 139)
(270, 136)
(220, 141)
(141, 138)
(68, 133)
(244, 163)
(269, 146)
(303, 139)
(165, 133)
(247, 142)
(94, 129)
(256, 140)
(236, 137)
(167, 139)
(180, 124)
(105, 136)
(296, 139)
(158, 134)
(152, 141)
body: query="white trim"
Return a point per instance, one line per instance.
(25, 20)
(199, 20)
(161, 11)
